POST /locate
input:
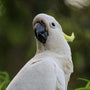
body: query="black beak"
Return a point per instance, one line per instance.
(40, 32)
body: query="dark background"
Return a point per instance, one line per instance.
(17, 40)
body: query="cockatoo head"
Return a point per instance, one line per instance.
(49, 34)
(43, 25)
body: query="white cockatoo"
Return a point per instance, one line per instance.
(51, 67)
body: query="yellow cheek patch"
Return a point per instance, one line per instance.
(69, 38)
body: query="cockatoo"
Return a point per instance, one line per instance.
(51, 67)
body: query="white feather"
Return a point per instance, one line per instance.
(51, 67)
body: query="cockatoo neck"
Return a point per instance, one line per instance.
(61, 48)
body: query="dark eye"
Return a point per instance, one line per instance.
(53, 24)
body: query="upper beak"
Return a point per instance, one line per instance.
(41, 32)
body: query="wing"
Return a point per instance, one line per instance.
(60, 78)
(35, 75)
(39, 74)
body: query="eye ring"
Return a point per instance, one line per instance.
(52, 25)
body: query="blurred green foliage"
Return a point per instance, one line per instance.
(4, 80)
(87, 87)
(17, 42)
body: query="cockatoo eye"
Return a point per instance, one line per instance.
(52, 25)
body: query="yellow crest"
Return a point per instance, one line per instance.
(69, 38)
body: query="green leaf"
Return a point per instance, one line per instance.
(84, 79)
(1, 85)
(87, 87)
(4, 80)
